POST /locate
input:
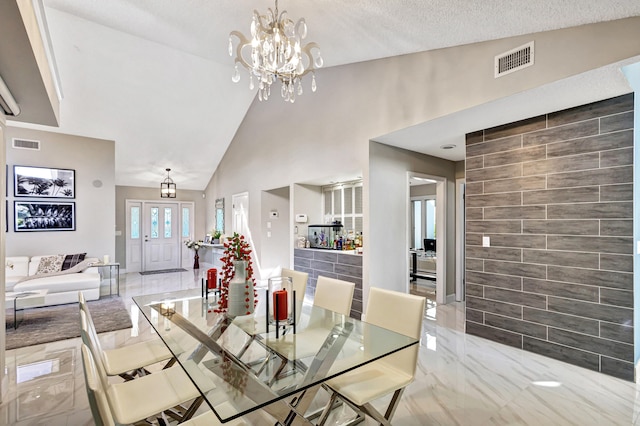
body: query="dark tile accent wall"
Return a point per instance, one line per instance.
(554, 194)
(332, 264)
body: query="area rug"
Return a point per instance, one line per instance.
(52, 323)
(163, 271)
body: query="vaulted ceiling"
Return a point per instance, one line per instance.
(155, 75)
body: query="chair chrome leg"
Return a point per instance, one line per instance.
(395, 400)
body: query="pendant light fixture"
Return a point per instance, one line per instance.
(167, 187)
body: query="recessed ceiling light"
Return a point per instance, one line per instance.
(448, 146)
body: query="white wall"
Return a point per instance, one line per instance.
(4, 378)
(422, 190)
(388, 221)
(276, 235)
(93, 161)
(307, 199)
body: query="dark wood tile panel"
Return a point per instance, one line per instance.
(554, 194)
(561, 227)
(518, 241)
(562, 321)
(562, 133)
(502, 281)
(522, 327)
(516, 184)
(573, 163)
(506, 144)
(616, 192)
(495, 334)
(614, 262)
(563, 353)
(517, 128)
(603, 108)
(528, 212)
(592, 144)
(515, 268)
(515, 156)
(614, 123)
(559, 289)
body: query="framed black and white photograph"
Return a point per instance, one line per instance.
(32, 216)
(43, 182)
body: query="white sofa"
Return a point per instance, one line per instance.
(61, 288)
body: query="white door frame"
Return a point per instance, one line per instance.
(441, 230)
(138, 266)
(186, 254)
(236, 227)
(460, 239)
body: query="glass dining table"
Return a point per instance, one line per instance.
(245, 364)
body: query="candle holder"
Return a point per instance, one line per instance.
(167, 308)
(280, 304)
(210, 283)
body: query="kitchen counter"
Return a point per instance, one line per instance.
(343, 265)
(331, 251)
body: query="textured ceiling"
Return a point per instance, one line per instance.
(154, 75)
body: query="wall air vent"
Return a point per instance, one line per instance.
(514, 60)
(25, 144)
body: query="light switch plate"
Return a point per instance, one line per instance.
(486, 242)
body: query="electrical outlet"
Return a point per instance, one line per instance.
(486, 242)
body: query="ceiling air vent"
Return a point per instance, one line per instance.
(25, 144)
(514, 60)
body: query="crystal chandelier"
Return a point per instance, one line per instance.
(275, 52)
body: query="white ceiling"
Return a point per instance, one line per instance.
(154, 75)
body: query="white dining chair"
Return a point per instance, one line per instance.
(146, 396)
(399, 312)
(131, 360)
(101, 411)
(334, 294)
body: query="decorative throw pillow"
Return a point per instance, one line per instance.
(71, 260)
(49, 264)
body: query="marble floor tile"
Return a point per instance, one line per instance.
(460, 379)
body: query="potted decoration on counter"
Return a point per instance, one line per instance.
(237, 292)
(216, 237)
(195, 246)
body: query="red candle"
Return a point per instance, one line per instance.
(280, 307)
(212, 278)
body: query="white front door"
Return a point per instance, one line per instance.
(161, 236)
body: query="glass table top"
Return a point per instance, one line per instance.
(244, 363)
